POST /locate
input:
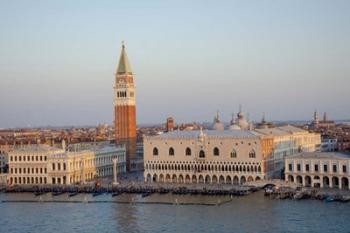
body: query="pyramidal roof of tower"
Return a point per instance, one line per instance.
(124, 65)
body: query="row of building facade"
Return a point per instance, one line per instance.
(319, 169)
(42, 164)
(223, 156)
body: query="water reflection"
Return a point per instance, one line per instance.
(253, 213)
(126, 216)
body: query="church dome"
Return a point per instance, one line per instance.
(243, 123)
(218, 126)
(234, 127)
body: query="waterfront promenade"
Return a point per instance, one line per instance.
(134, 184)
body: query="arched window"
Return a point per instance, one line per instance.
(201, 154)
(216, 151)
(188, 151)
(155, 151)
(233, 153)
(171, 151)
(252, 154)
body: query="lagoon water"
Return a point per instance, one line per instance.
(253, 213)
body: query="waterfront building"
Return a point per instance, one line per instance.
(329, 144)
(42, 164)
(29, 164)
(104, 160)
(125, 109)
(319, 169)
(3, 178)
(3, 162)
(287, 140)
(4, 149)
(211, 156)
(71, 167)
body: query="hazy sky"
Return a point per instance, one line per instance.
(285, 58)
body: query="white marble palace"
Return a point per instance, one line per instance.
(212, 156)
(232, 156)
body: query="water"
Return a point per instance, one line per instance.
(254, 213)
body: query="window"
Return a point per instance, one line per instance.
(298, 167)
(188, 151)
(53, 166)
(307, 167)
(334, 168)
(155, 151)
(201, 154)
(290, 167)
(252, 154)
(325, 168)
(171, 151)
(344, 168)
(59, 166)
(233, 153)
(316, 167)
(216, 151)
(64, 166)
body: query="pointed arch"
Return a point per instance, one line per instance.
(194, 179)
(216, 151)
(252, 154)
(155, 151)
(188, 151)
(233, 154)
(171, 151)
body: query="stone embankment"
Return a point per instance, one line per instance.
(134, 188)
(299, 193)
(277, 189)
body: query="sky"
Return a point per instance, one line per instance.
(190, 59)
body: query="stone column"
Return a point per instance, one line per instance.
(82, 171)
(115, 161)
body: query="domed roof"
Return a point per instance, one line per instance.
(234, 127)
(218, 126)
(243, 123)
(240, 115)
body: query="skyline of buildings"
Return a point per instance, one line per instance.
(226, 115)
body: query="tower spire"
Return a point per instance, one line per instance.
(124, 65)
(125, 108)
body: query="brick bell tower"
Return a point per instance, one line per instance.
(125, 108)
